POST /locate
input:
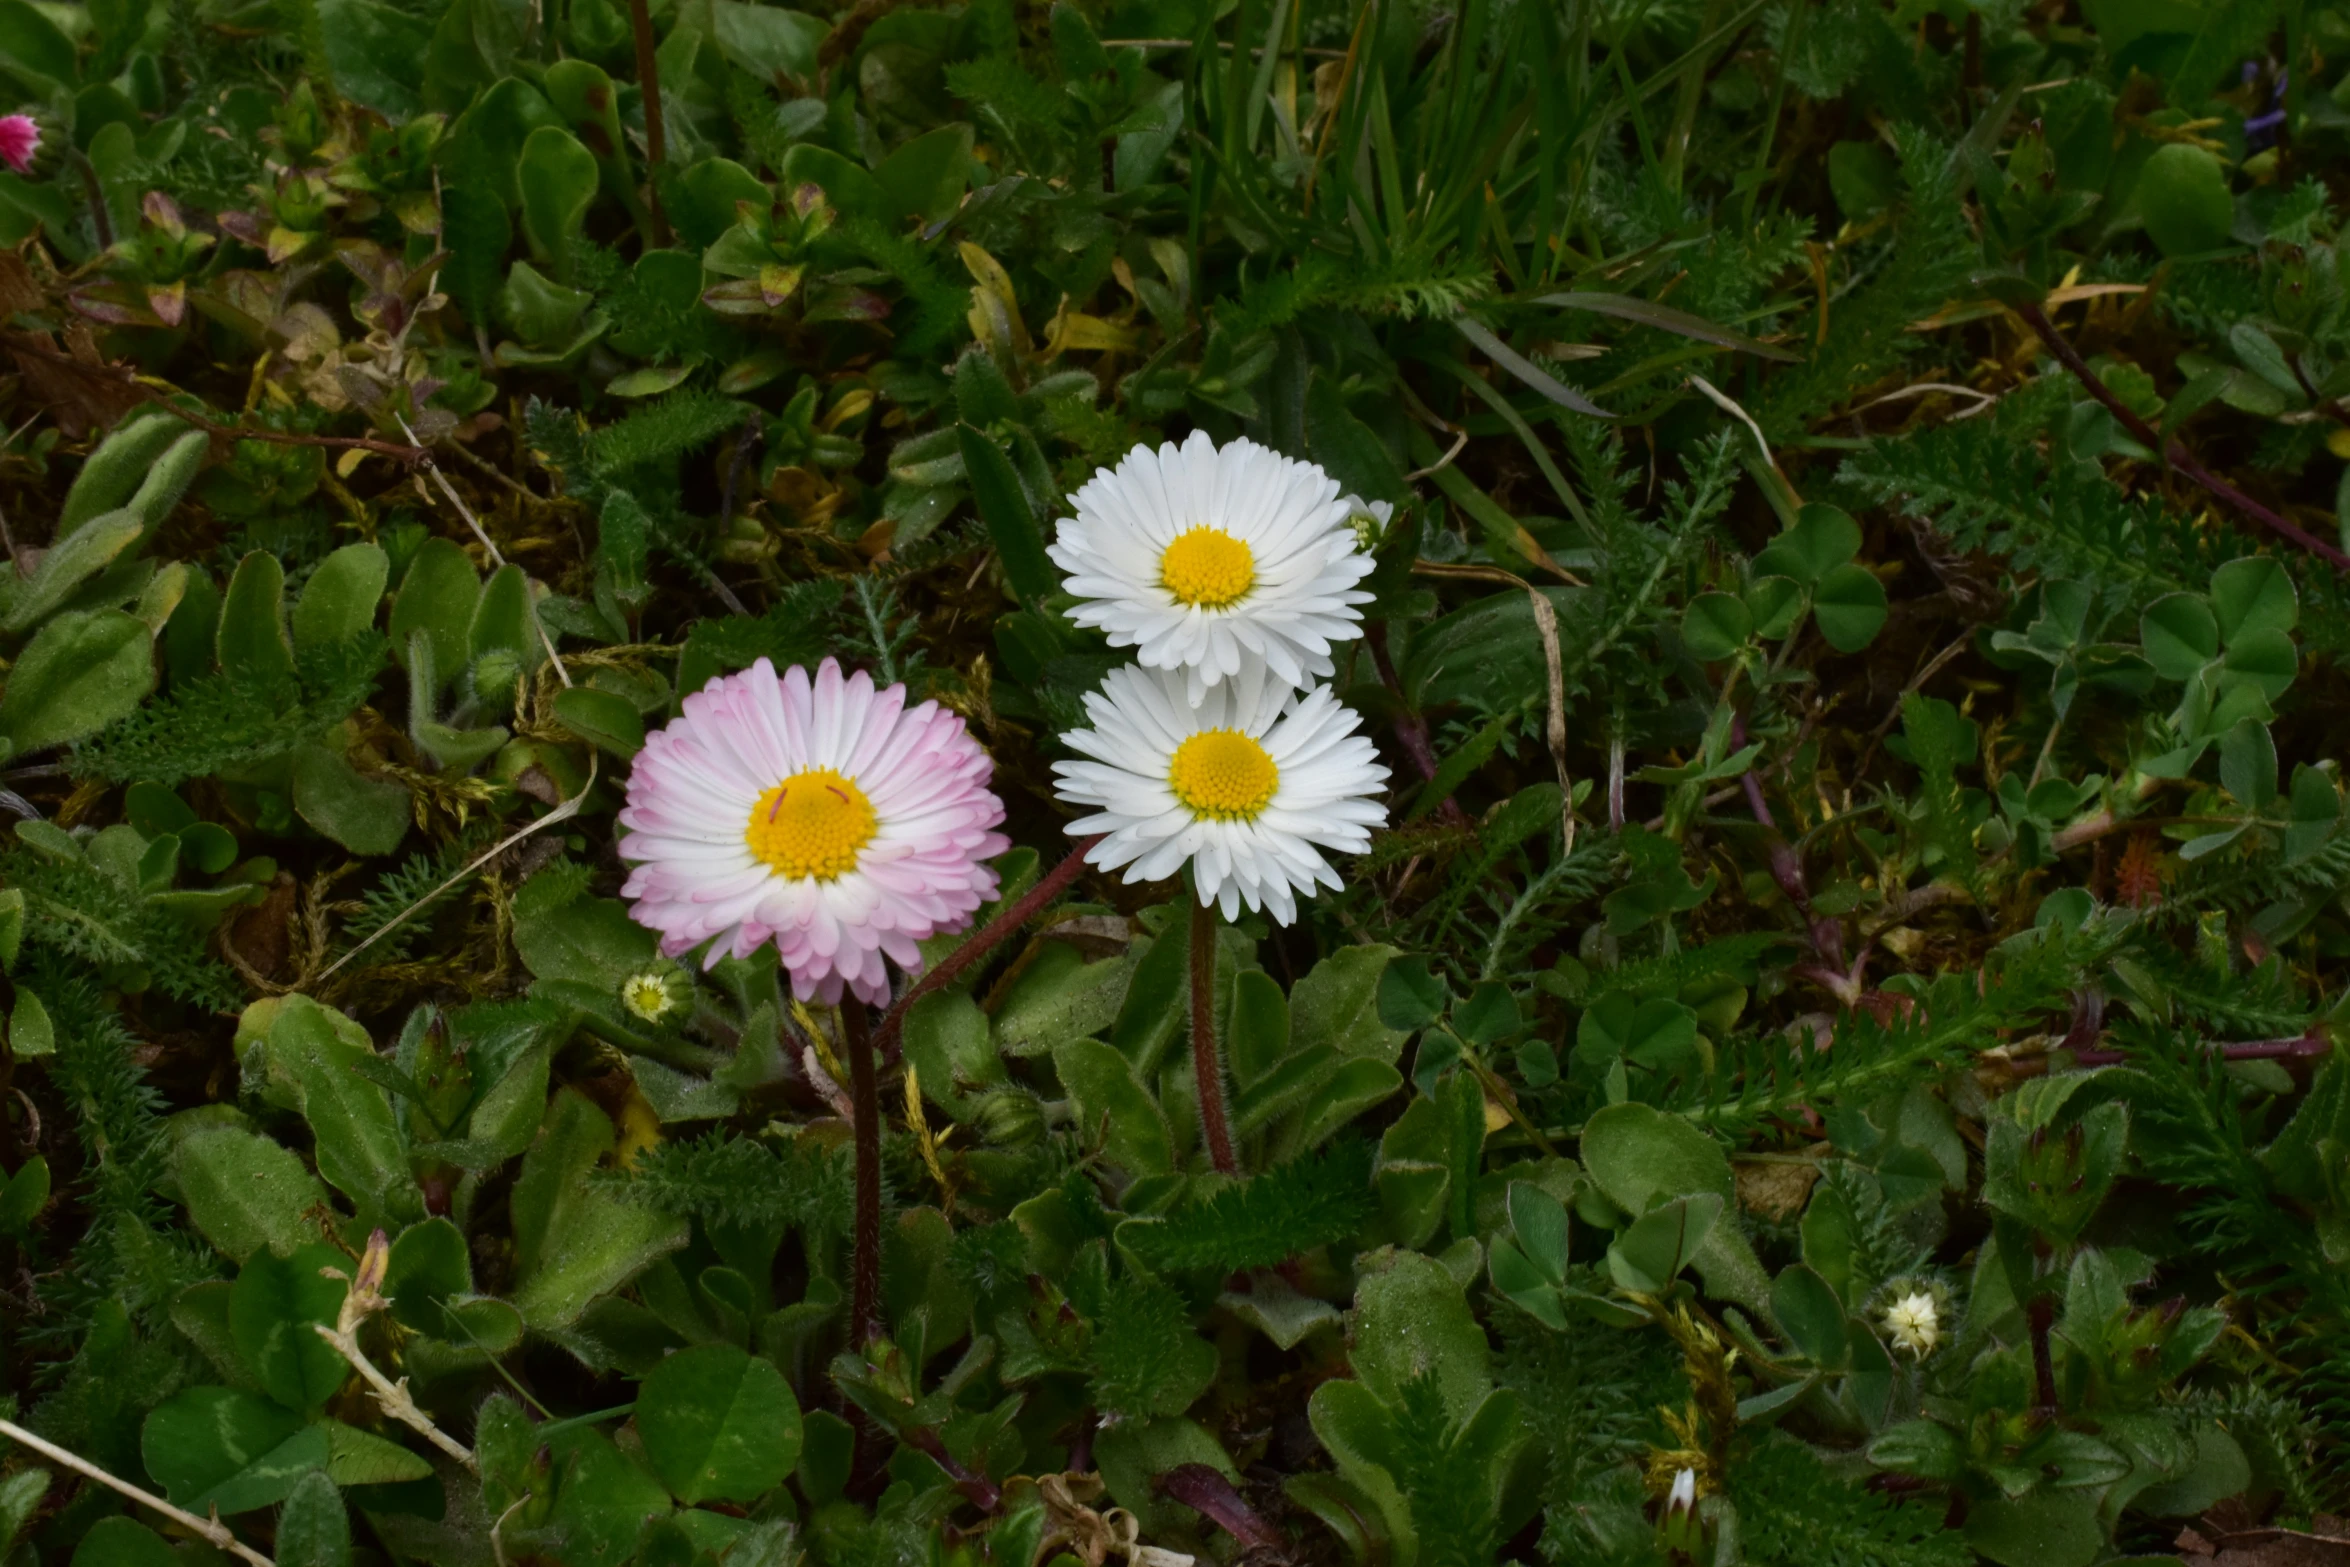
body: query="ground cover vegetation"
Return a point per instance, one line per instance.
(1832, 1054)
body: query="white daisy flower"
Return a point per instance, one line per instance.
(823, 815)
(1242, 783)
(1200, 556)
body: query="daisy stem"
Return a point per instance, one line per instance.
(865, 1121)
(1206, 1065)
(1055, 882)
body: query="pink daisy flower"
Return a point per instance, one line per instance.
(824, 816)
(20, 141)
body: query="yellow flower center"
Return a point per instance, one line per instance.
(1208, 567)
(1222, 773)
(811, 825)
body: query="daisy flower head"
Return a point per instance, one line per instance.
(1247, 784)
(821, 814)
(1202, 557)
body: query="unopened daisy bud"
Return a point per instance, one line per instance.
(27, 143)
(1914, 1323)
(821, 814)
(1679, 1528)
(654, 994)
(1202, 558)
(1369, 519)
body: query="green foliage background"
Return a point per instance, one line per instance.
(1858, 635)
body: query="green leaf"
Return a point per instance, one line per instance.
(32, 44)
(199, 1442)
(718, 1424)
(436, 599)
(1338, 1003)
(2219, 1470)
(274, 1307)
(314, 1530)
(2179, 635)
(252, 638)
(1059, 996)
(1539, 1221)
(2183, 196)
(1153, 1011)
(1256, 1030)
(573, 1239)
(1661, 1242)
(924, 177)
(602, 719)
(1113, 1107)
(356, 1457)
(1810, 1315)
(245, 1192)
(1776, 603)
(340, 599)
(1411, 1319)
(121, 1542)
(1821, 539)
(69, 564)
(376, 53)
(114, 472)
(2263, 658)
(428, 1265)
(2045, 1528)
(2253, 594)
(1659, 1033)
(1849, 605)
(24, 1194)
(1716, 625)
(847, 184)
(476, 230)
(361, 1149)
(502, 618)
(1347, 448)
(82, 671)
(2248, 764)
(1011, 521)
(590, 941)
(365, 815)
(1639, 1154)
(557, 176)
(603, 1500)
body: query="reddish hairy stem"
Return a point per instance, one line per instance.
(950, 968)
(865, 1121)
(1206, 1064)
(2041, 1316)
(2172, 452)
(2302, 1048)
(648, 76)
